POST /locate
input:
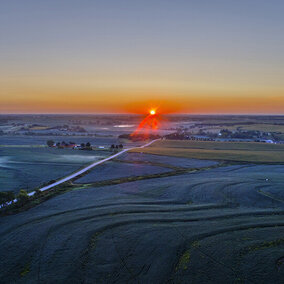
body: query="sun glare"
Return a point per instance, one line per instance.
(152, 112)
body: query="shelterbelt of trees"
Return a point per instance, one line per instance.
(8, 197)
(72, 145)
(139, 137)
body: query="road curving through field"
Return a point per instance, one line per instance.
(79, 172)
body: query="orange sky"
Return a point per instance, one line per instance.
(128, 56)
(139, 102)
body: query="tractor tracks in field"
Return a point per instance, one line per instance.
(108, 222)
(190, 243)
(153, 211)
(158, 207)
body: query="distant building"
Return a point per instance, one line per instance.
(70, 146)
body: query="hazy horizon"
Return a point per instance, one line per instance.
(127, 113)
(196, 57)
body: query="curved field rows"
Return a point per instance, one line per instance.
(211, 226)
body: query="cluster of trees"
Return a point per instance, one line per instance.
(177, 136)
(139, 137)
(187, 136)
(8, 197)
(248, 134)
(66, 127)
(86, 146)
(63, 144)
(50, 143)
(120, 146)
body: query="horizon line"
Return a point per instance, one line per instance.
(124, 113)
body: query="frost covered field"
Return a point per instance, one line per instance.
(29, 167)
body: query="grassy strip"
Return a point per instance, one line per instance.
(179, 171)
(25, 270)
(261, 246)
(134, 178)
(185, 257)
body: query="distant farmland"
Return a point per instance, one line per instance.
(265, 127)
(229, 151)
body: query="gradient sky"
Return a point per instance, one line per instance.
(202, 56)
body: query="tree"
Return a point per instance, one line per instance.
(38, 192)
(6, 196)
(83, 145)
(88, 144)
(120, 146)
(51, 181)
(50, 143)
(22, 197)
(10, 195)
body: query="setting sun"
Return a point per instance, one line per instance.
(152, 112)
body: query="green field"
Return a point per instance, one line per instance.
(228, 151)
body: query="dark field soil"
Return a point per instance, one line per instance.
(113, 170)
(223, 225)
(177, 162)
